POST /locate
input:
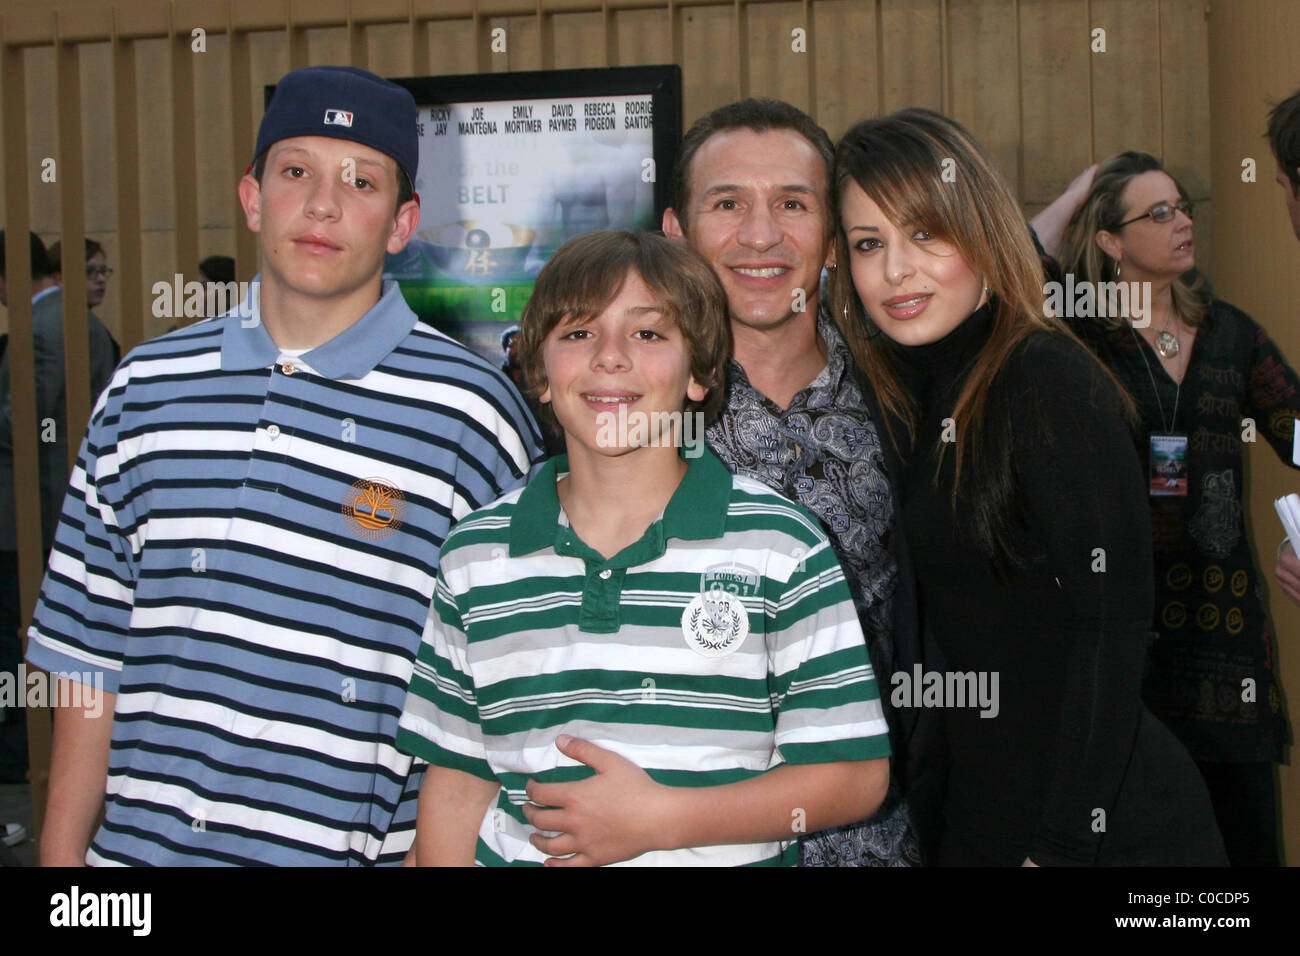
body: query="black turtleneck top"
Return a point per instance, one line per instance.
(1071, 769)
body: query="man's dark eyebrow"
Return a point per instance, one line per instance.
(799, 188)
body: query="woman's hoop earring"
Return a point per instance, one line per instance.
(871, 328)
(1117, 265)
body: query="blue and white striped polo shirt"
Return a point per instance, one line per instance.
(248, 553)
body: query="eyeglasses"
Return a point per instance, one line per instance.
(1163, 212)
(93, 272)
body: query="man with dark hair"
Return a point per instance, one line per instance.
(97, 270)
(42, 268)
(97, 276)
(758, 115)
(52, 425)
(249, 549)
(1284, 138)
(751, 192)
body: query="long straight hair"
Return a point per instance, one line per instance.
(925, 171)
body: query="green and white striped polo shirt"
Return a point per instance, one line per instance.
(721, 644)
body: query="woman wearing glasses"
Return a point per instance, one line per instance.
(1206, 380)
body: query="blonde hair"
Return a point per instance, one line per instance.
(1104, 210)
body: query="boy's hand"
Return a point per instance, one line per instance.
(616, 815)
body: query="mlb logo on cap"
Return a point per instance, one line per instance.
(344, 103)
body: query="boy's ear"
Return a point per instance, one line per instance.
(405, 223)
(695, 391)
(250, 197)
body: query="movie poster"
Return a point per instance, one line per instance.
(502, 184)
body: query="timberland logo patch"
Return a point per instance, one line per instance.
(373, 508)
(338, 118)
(715, 623)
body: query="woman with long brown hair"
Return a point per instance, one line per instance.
(1024, 508)
(1206, 378)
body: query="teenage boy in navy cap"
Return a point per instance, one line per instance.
(249, 547)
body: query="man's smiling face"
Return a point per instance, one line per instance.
(760, 214)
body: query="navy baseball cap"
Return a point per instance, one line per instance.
(345, 103)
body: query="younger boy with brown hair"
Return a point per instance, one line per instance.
(639, 656)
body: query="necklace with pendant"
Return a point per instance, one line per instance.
(1167, 344)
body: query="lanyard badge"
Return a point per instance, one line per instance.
(1167, 472)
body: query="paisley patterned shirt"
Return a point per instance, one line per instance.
(824, 452)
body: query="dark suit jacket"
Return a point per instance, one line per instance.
(51, 403)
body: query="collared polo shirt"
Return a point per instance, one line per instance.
(246, 558)
(718, 646)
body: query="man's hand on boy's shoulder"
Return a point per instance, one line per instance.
(617, 814)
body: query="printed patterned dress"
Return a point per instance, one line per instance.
(1212, 677)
